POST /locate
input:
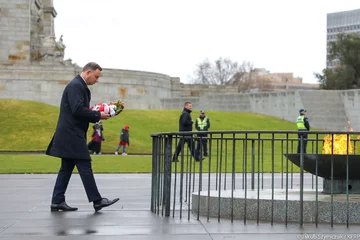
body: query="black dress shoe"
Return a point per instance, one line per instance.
(199, 159)
(62, 207)
(104, 203)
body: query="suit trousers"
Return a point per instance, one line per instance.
(180, 146)
(304, 142)
(64, 175)
(202, 143)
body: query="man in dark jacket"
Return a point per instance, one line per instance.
(202, 124)
(69, 141)
(185, 125)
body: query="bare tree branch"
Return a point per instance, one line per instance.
(243, 77)
(262, 83)
(222, 72)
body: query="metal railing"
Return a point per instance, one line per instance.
(251, 163)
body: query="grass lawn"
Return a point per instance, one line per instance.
(24, 163)
(33, 125)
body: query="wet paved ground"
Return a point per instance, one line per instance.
(25, 203)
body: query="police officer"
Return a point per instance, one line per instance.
(202, 124)
(302, 124)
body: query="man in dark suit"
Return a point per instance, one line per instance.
(69, 141)
(185, 125)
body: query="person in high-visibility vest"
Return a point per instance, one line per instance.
(302, 124)
(202, 124)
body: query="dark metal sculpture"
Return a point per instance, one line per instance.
(332, 167)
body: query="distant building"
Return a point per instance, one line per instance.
(264, 81)
(341, 22)
(281, 81)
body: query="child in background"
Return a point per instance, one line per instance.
(124, 140)
(96, 138)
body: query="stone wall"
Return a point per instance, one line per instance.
(144, 90)
(39, 82)
(140, 90)
(326, 109)
(36, 82)
(198, 90)
(14, 31)
(44, 81)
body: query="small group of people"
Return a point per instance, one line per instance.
(202, 124)
(98, 137)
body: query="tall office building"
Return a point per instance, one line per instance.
(341, 22)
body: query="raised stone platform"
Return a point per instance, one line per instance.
(339, 206)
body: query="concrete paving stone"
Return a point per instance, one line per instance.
(114, 220)
(253, 236)
(4, 223)
(106, 230)
(238, 226)
(24, 213)
(111, 237)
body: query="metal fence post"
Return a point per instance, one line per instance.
(252, 164)
(302, 150)
(167, 174)
(154, 174)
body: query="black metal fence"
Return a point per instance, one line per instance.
(285, 176)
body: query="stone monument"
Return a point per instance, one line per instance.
(34, 43)
(32, 64)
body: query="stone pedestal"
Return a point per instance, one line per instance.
(340, 186)
(286, 206)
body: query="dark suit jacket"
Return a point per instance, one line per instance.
(69, 140)
(185, 121)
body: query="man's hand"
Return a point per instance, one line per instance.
(104, 115)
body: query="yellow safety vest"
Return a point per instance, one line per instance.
(202, 124)
(300, 123)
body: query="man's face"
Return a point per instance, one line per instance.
(92, 76)
(189, 106)
(202, 114)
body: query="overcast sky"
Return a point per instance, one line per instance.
(172, 36)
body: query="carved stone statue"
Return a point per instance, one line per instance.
(60, 44)
(52, 49)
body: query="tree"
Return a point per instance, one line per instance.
(263, 83)
(243, 78)
(223, 71)
(339, 78)
(346, 75)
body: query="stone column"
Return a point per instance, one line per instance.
(14, 32)
(37, 28)
(49, 15)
